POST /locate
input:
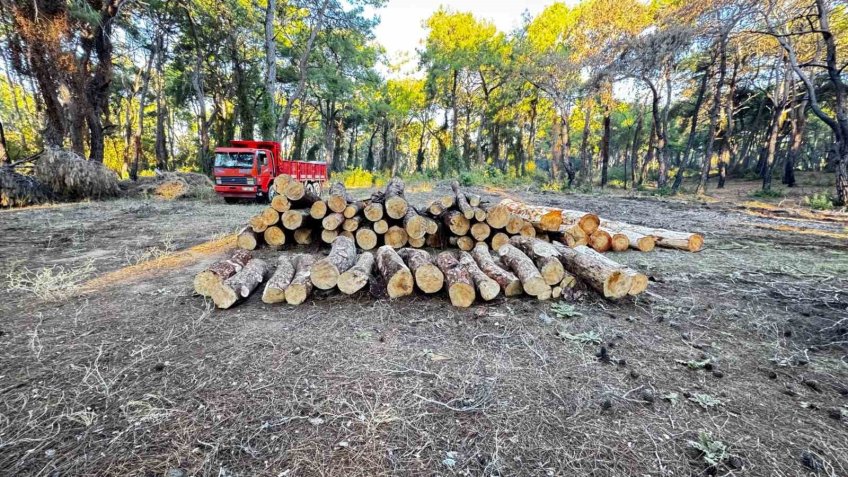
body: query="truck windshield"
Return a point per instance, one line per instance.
(234, 159)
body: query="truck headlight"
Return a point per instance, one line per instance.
(251, 181)
(218, 180)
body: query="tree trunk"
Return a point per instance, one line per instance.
(714, 115)
(356, 277)
(269, 101)
(543, 255)
(488, 288)
(604, 275)
(460, 285)
(427, 275)
(396, 275)
(605, 147)
(275, 289)
(242, 284)
(585, 157)
(301, 284)
(693, 126)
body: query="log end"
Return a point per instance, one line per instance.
(489, 289)
(324, 274)
(646, 244)
(400, 284)
(617, 285)
(536, 286)
(619, 243)
(224, 297)
(696, 242)
(205, 282)
(429, 278)
(296, 293)
(366, 239)
(318, 210)
(589, 223)
(396, 207)
(337, 203)
(552, 271)
(273, 295)
(461, 295)
(247, 241)
(352, 281)
(274, 236)
(638, 283)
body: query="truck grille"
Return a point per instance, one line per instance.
(233, 180)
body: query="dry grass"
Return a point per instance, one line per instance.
(51, 283)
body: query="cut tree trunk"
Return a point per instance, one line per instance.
(480, 214)
(604, 275)
(366, 239)
(414, 223)
(325, 272)
(270, 216)
(395, 274)
(458, 279)
(280, 203)
(394, 201)
(381, 227)
(318, 210)
(498, 216)
(545, 218)
(498, 240)
(353, 209)
(480, 231)
(295, 218)
(509, 283)
(474, 200)
(600, 241)
(456, 222)
(544, 255)
(339, 198)
(355, 278)
(301, 284)
(574, 236)
(257, 224)
(462, 202)
(396, 237)
(373, 211)
(274, 236)
(327, 236)
(240, 285)
(618, 241)
(639, 281)
(416, 242)
(214, 276)
(247, 239)
(465, 243)
(488, 288)
(351, 225)
(692, 242)
(333, 221)
(428, 277)
(531, 280)
(275, 289)
(294, 190)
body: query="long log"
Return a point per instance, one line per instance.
(294, 219)
(544, 255)
(240, 285)
(456, 222)
(567, 218)
(301, 284)
(214, 276)
(373, 211)
(618, 241)
(414, 223)
(509, 283)
(274, 236)
(318, 210)
(396, 237)
(460, 285)
(395, 201)
(488, 288)
(280, 203)
(531, 279)
(545, 218)
(325, 272)
(275, 288)
(692, 242)
(357, 276)
(366, 238)
(247, 239)
(396, 275)
(338, 198)
(427, 275)
(603, 274)
(461, 201)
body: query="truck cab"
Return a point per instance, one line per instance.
(246, 170)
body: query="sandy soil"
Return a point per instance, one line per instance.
(136, 376)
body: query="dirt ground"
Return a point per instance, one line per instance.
(744, 344)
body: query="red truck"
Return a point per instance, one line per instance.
(246, 170)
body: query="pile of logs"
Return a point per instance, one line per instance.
(510, 249)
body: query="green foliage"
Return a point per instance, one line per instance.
(705, 400)
(695, 364)
(586, 337)
(713, 452)
(565, 310)
(358, 178)
(767, 194)
(819, 201)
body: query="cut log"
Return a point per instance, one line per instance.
(474, 200)
(465, 243)
(544, 255)
(381, 227)
(600, 241)
(545, 218)
(568, 218)
(618, 241)
(275, 289)
(546, 295)
(414, 223)
(427, 275)
(353, 209)
(339, 198)
(327, 236)
(497, 217)
(318, 210)
(274, 236)
(639, 281)
(373, 211)
(333, 221)
(394, 200)
(306, 201)
(270, 216)
(280, 183)
(531, 280)
(432, 226)
(447, 201)
(416, 242)
(435, 209)
(692, 242)
(395, 274)
(257, 224)
(498, 240)
(637, 241)
(357, 276)
(509, 283)
(602, 274)
(240, 285)
(280, 203)
(480, 231)
(528, 230)
(295, 190)
(488, 288)
(480, 214)
(514, 224)
(574, 236)
(456, 222)
(568, 281)
(214, 276)
(351, 224)
(396, 237)
(366, 239)
(462, 202)
(301, 284)
(294, 219)
(348, 234)
(325, 272)
(588, 222)
(247, 239)
(303, 236)
(460, 285)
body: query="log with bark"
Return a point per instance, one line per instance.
(280, 203)
(604, 275)
(396, 237)
(600, 241)
(301, 284)
(545, 218)
(692, 242)
(333, 221)
(395, 274)
(357, 276)
(338, 198)
(353, 209)
(247, 239)
(461, 201)
(394, 199)
(294, 219)
(427, 276)
(509, 283)
(241, 285)
(544, 256)
(458, 279)
(214, 276)
(523, 267)
(325, 272)
(318, 210)
(274, 236)
(456, 222)
(415, 224)
(366, 238)
(488, 288)
(275, 288)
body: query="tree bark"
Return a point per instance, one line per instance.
(242, 284)
(531, 280)
(356, 277)
(275, 289)
(301, 284)
(213, 277)
(460, 285)
(395, 274)
(428, 276)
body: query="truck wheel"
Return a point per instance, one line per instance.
(231, 200)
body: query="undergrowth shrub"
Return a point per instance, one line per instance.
(819, 202)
